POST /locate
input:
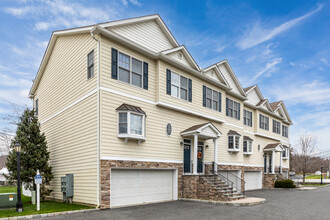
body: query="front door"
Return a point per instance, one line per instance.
(200, 157)
(186, 156)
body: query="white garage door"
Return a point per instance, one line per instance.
(253, 180)
(131, 187)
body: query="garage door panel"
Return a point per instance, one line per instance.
(129, 187)
(253, 180)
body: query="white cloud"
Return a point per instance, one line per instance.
(135, 2)
(325, 61)
(19, 12)
(268, 69)
(258, 34)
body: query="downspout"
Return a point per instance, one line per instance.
(98, 119)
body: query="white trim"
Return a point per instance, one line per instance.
(226, 123)
(140, 159)
(180, 109)
(240, 164)
(187, 54)
(266, 136)
(249, 132)
(69, 106)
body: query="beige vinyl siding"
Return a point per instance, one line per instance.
(183, 59)
(108, 82)
(71, 138)
(229, 79)
(253, 97)
(65, 77)
(147, 34)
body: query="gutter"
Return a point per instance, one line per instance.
(98, 119)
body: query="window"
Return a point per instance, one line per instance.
(212, 99)
(285, 132)
(276, 127)
(169, 129)
(90, 65)
(247, 118)
(37, 107)
(285, 153)
(131, 124)
(265, 163)
(130, 70)
(179, 86)
(136, 124)
(247, 146)
(233, 142)
(136, 72)
(232, 109)
(123, 123)
(264, 122)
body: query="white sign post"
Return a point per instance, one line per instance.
(38, 181)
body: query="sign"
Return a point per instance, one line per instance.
(38, 179)
(11, 197)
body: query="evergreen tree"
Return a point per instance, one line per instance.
(34, 155)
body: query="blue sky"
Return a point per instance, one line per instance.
(283, 46)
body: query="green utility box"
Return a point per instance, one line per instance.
(67, 187)
(8, 200)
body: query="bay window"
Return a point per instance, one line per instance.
(247, 145)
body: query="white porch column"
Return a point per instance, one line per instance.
(195, 153)
(281, 161)
(215, 142)
(273, 162)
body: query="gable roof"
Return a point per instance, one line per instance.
(275, 105)
(186, 55)
(219, 74)
(248, 88)
(276, 146)
(198, 128)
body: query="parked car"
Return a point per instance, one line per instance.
(292, 173)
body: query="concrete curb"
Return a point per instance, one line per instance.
(309, 188)
(48, 214)
(225, 203)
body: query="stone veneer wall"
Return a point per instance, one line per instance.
(268, 181)
(106, 166)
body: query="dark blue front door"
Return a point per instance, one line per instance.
(186, 156)
(200, 157)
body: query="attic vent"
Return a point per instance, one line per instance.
(212, 73)
(180, 55)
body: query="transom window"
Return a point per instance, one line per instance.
(233, 142)
(179, 86)
(276, 127)
(130, 70)
(212, 99)
(233, 109)
(247, 118)
(264, 122)
(285, 132)
(247, 146)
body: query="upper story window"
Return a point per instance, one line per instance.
(285, 132)
(36, 107)
(90, 65)
(276, 127)
(247, 118)
(233, 109)
(264, 122)
(178, 86)
(211, 99)
(285, 153)
(131, 122)
(129, 69)
(247, 145)
(233, 141)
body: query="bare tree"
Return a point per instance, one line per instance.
(305, 150)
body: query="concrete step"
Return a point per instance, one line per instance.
(236, 197)
(233, 194)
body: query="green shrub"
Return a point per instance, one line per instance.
(284, 184)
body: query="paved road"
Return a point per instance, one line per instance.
(281, 204)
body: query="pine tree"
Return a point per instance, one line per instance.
(34, 155)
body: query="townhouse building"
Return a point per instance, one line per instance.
(132, 116)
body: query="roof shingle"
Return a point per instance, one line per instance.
(232, 132)
(127, 107)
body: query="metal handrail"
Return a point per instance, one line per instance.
(228, 181)
(239, 189)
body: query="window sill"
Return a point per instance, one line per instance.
(127, 137)
(234, 150)
(247, 153)
(285, 158)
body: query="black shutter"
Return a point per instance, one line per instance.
(145, 75)
(204, 96)
(239, 111)
(114, 63)
(189, 90)
(259, 120)
(219, 101)
(168, 81)
(251, 119)
(267, 125)
(227, 102)
(274, 125)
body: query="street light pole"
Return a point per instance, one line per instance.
(19, 204)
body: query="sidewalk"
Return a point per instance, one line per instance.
(312, 180)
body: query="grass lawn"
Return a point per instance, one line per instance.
(45, 206)
(314, 177)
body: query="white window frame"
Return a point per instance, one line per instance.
(263, 123)
(246, 119)
(130, 70)
(277, 127)
(212, 99)
(236, 148)
(234, 109)
(180, 87)
(285, 131)
(129, 135)
(286, 150)
(249, 147)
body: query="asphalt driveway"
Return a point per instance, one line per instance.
(281, 204)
